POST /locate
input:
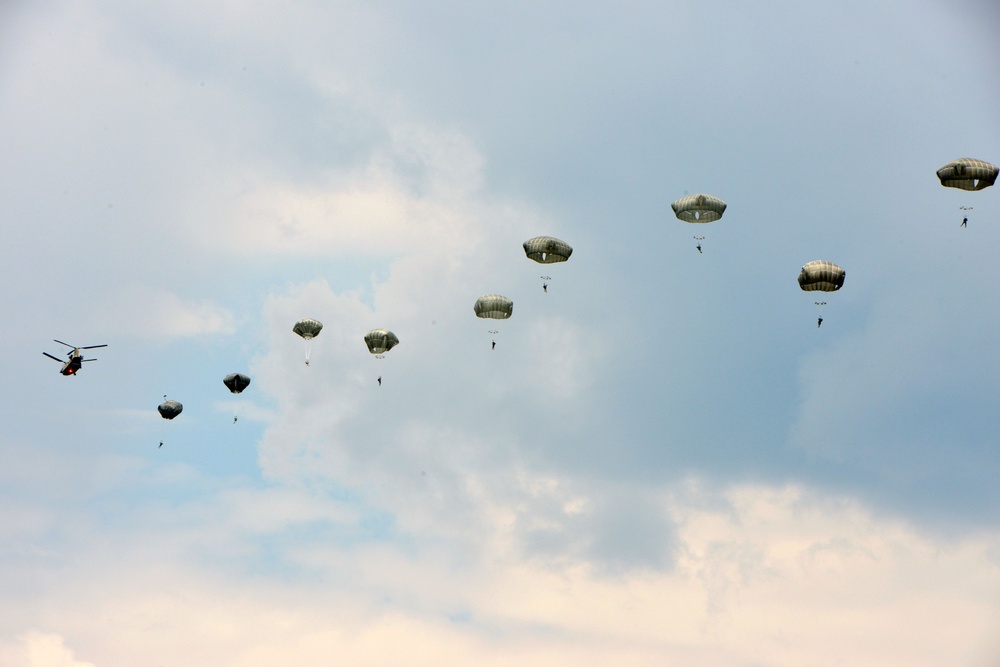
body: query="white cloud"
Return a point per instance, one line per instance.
(781, 576)
(413, 192)
(149, 312)
(38, 649)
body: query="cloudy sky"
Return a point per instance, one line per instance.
(663, 462)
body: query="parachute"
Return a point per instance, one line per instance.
(494, 307)
(547, 250)
(308, 328)
(821, 276)
(170, 409)
(380, 340)
(236, 382)
(967, 174)
(699, 208)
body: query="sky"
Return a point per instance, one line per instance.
(664, 461)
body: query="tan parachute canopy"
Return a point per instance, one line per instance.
(494, 307)
(547, 249)
(967, 174)
(308, 328)
(380, 340)
(699, 208)
(821, 276)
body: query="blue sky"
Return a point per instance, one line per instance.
(664, 460)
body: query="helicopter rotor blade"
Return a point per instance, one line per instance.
(51, 357)
(91, 347)
(88, 360)
(66, 344)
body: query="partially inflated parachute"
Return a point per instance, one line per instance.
(547, 249)
(967, 174)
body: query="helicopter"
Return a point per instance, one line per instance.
(76, 359)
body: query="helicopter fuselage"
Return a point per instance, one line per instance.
(76, 359)
(74, 364)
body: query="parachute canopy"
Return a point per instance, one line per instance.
(236, 382)
(821, 276)
(547, 250)
(494, 307)
(967, 174)
(308, 328)
(170, 409)
(699, 208)
(380, 340)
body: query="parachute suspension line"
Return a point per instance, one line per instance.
(163, 425)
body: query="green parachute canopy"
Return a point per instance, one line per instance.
(236, 382)
(547, 250)
(821, 276)
(380, 341)
(308, 328)
(699, 208)
(170, 409)
(967, 174)
(494, 307)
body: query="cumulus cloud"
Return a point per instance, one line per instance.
(434, 429)
(761, 575)
(412, 190)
